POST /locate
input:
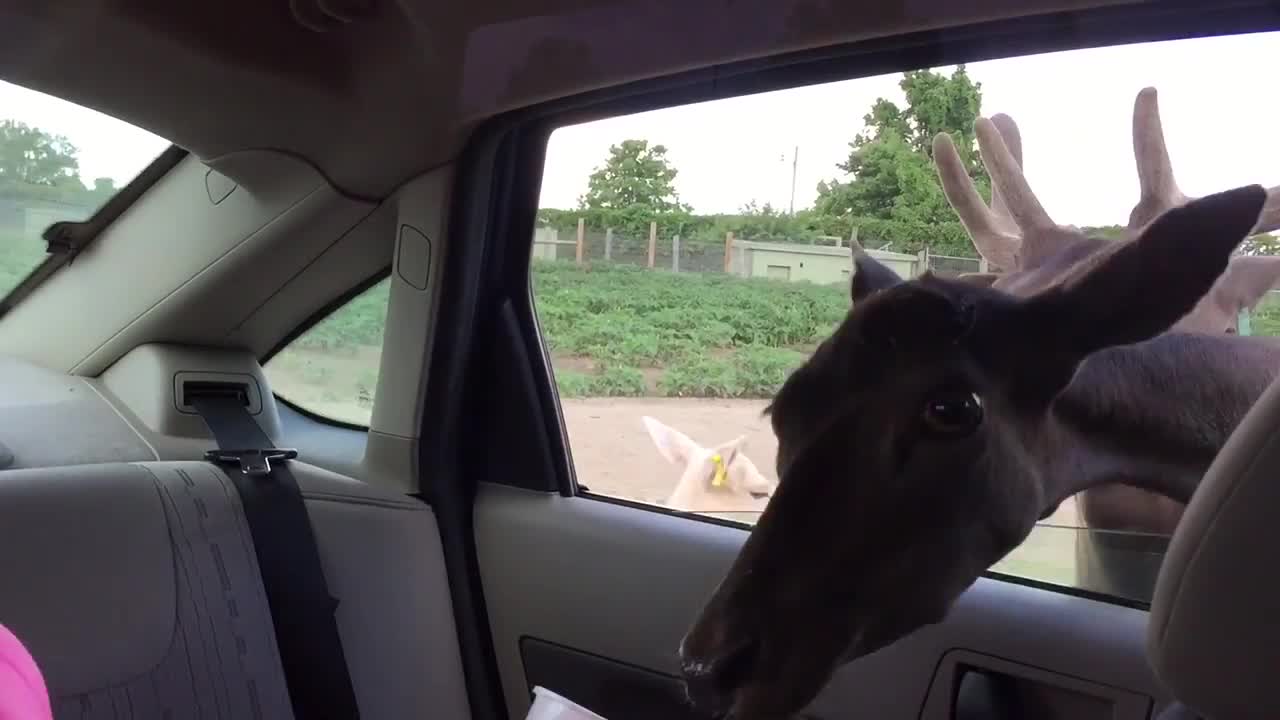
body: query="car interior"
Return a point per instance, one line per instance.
(312, 152)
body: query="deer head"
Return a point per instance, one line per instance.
(919, 444)
(1023, 232)
(714, 479)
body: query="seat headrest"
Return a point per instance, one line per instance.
(1214, 632)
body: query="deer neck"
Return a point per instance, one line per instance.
(1154, 415)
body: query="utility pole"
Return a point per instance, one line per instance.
(795, 162)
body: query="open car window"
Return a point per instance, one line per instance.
(687, 261)
(59, 161)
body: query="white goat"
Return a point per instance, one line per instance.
(719, 479)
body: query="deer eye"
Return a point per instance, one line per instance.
(952, 413)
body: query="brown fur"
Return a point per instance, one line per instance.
(1031, 242)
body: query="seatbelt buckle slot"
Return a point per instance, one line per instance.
(254, 463)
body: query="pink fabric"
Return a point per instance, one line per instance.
(23, 695)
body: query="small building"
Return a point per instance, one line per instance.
(818, 264)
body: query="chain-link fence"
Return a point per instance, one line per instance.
(952, 265)
(670, 252)
(656, 250)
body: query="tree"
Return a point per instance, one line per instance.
(1261, 244)
(31, 156)
(634, 174)
(890, 168)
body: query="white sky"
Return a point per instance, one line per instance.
(107, 147)
(1074, 109)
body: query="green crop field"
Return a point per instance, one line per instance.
(626, 331)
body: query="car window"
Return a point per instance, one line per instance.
(331, 369)
(58, 161)
(686, 261)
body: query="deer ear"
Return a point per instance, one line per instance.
(1144, 286)
(1132, 292)
(672, 444)
(870, 276)
(728, 450)
(1247, 280)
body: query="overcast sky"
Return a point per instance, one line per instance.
(1219, 107)
(108, 147)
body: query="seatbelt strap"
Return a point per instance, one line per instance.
(302, 610)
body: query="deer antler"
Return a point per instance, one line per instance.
(993, 230)
(991, 235)
(1158, 188)
(1014, 232)
(1013, 140)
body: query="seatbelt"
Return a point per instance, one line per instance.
(302, 610)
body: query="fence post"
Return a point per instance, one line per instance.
(675, 254)
(582, 240)
(983, 265)
(728, 250)
(853, 238)
(608, 243)
(922, 262)
(653, 241)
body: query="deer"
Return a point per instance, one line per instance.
(718, 479)
(921, 442)
(1246, 281)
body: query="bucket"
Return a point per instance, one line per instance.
(550, 706)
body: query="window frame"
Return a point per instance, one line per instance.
(487, 302)
(315, 318)
(66, 239)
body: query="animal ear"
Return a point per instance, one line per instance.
(870, 276)
(1145, 285)
(1247, 280)
(672, 444)
(728, 450)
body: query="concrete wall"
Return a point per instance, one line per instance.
(814, 263)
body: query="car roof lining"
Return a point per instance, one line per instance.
(385, 97)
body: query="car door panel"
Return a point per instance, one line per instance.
(590, 598)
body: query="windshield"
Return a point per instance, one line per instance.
(58, 161)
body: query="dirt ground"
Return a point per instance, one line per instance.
(613, 455)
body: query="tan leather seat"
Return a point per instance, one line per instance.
(1214, 634)
(136, 588)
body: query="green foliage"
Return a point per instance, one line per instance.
(753, 371)
(890, 168)
(1110, 232)
(635, 184)
(360, 323)
(706, 335)
(39, 172)
(611, 381)
(31, 156)
(1261, 244)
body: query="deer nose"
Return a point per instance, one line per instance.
(758, 495)
(711, 684)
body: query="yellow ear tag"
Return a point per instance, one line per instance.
(718, 480)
